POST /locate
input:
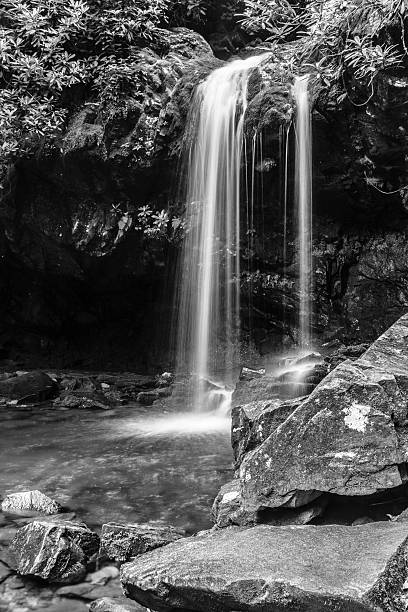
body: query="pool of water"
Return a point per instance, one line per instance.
(129, 464)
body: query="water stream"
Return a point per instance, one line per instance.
(208, 317)
(303, 196)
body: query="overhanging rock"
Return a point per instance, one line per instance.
(332, 568)
(349, 437)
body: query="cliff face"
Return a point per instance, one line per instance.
(86, 275)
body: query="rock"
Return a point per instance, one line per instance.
(82, 401)
(29, 388)
(351, 353)
(148, 397)
(228, 510)
(122, 541)
(251, 373)
(247, 391)
(165, 379)
(120, 604)
(227, 506)
(254, 422)
(103, 575)
(349, 437)
(89, 591)
(403, 517)
(57, 551)
(30, 501)
(332, 568)
(5, 571)
(362, 520)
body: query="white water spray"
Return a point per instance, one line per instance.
(208, 309)
(304, 205)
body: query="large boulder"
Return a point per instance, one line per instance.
(29, 388)
(56, 551)
(331, 568)
(349, 437)
(122, 541)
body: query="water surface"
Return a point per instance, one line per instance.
(131, 464)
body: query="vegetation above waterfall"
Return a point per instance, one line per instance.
(53, 52)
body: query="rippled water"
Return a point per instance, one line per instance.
(130, 464)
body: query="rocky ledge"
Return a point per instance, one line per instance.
(310, 568)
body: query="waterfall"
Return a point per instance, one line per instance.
(303, 195)
(209, 276)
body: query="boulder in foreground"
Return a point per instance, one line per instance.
(122, 541)
(333, 568)
(56, 551)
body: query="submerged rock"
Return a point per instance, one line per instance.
(349, 437)
(332, 568)
(56, 551)
(122, 541)
(30, 387)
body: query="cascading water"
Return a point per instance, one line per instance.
(303, 185)
(208, 306)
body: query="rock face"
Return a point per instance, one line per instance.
(331, 568)
(30, 387)
(349, 437)
(53, 550)
(121, 542)
(252, 423)
(30, 501)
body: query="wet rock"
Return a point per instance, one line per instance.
(56, 551)
(344, 353)
(254, 422)
(246, 391)
(30, 501)
(119, 604)
(349, 437)
(251, 373)
(332, 568)
(148, 397)
(165, 379)
(29, 388)
(80, 401)
(122, 541)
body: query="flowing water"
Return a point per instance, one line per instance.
(208, 317)
(131, 464)
(303, 196)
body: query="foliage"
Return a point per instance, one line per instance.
(336, 39)
(49, 48)
(158, 224)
